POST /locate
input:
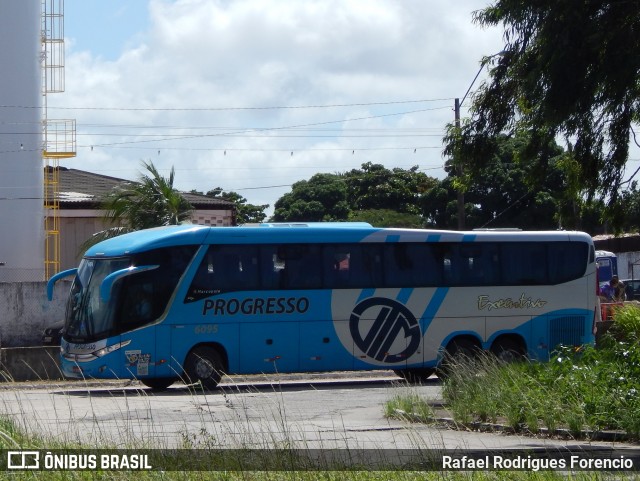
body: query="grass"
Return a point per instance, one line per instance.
(277, 463)
(579, 393)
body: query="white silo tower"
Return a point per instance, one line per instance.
(21, 164)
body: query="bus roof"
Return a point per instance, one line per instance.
(335, 232)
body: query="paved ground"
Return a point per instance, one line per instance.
(340, 411)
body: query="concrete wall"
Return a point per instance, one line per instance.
(25, 311)
(29, 364)
(628, 265)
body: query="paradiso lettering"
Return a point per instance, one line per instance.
(252, 306)
(523, 302)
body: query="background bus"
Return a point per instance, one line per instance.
(607, 265)
(193, 302)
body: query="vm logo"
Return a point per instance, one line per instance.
(385, 322)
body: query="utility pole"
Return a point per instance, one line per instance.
(459, 170)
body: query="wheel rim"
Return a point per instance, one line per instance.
(204, 368)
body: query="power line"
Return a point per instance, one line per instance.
(217, 109)
(271, 129)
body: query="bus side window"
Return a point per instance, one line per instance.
(303, 266)
(451, 265)
(567, 261)
(337, 265)
(398, 265)
(366, 266)
(524, 263)
(481, 264)
(229, 271)
(236, 268)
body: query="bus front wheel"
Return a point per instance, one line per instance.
(158, 383)
(204, 365)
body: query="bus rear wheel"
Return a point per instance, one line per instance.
(204, 365)
(508, 350)
(458, 352)
(415, 375)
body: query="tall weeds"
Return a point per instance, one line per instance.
(584, 391)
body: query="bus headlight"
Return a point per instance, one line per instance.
(109, 349)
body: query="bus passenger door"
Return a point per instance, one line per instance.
(162, 360)
(269, 347)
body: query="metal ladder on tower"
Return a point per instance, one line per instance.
(59, 134)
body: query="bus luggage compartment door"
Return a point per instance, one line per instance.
(321, 349)
(269, 347)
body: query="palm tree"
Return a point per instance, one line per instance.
(150, 202)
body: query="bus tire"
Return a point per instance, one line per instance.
(204, 364)
(508, 350)
(457, 351)
(158, 383)
(415, 375)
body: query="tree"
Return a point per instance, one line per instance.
(569, 69)
(322, 198)
(376, 187)
(387, 218)
(152, 201)
(245, 213)
(631, 201)
(501, 193)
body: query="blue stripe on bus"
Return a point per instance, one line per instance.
(404, 295)
(393, 238)
(433, 238)
(469, 238)
(432, 308)
(366, 293)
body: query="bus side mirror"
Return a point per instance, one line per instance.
(56, 278)
(107, 282)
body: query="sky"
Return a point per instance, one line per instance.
(254, 95)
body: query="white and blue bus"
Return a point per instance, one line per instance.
(194, 302)
(607, 266)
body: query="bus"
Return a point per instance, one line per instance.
(192, 303)
(607, 266)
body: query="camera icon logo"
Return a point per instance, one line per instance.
(23, 460)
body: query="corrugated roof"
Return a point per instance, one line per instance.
(79, 189)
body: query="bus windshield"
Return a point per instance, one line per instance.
(89, 318)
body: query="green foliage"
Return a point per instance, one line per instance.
(150, 202)
(592, 389)
(376, 187)
(321, 198)
(509, 192)
(569, 69)
(387, 218)
(410, 406)
(580, 391)
(627, 324)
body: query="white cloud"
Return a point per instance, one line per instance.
(241, 56)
